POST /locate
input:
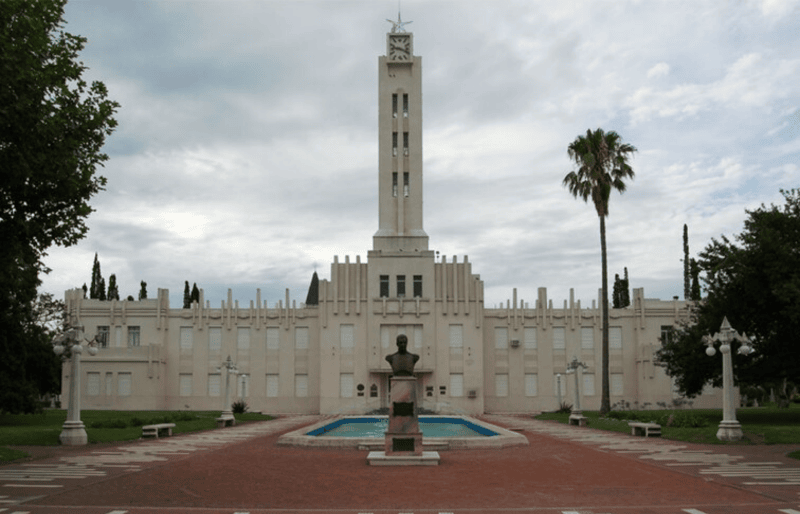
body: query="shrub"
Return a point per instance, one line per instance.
(565, 408)
(683, 419)
(239, 407)
(111, 423)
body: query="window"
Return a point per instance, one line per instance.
(529, 333)
(213, 384)
(215, 339)
(394, 184)
(406, 184)
(301, 386)
(405, 143)
(456, 384)
(301, 338)
(273, 338)
(588, 384)
(373, 391)
(134, 336)
(587, 338)
(394, 144)
(243, 338)
(500, 338)
(272, 386)
(559, 338)
(405, 106)
(185, 384)
(615, 338)
(186, 339)
(92, 384)
(417, 286)
(531, 384)
(666, 334)
(384, 286)
(401, 286)
(616, 384)
(346, 385)
(501, 384)
(456, 336)
(386, 336)
(102, 336)
(346, 336)
(124, 384)
(394, 105)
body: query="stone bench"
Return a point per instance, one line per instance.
(226, 422)
(645, 429)
(157, 430)
(581, 421)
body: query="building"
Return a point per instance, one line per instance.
(329, 358)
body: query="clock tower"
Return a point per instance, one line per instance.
(400, 147)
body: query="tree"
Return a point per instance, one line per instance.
(694, 268)
(113, 289)
(602, 166)
(620, 296)
(687, 288)
(52, 128)
(312, 298)
(187, 295)
(754, 280)
(195, 293)
(97, 280)
(143, 291)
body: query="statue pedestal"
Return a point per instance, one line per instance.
(403, 446)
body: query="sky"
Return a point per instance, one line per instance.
(246, 151)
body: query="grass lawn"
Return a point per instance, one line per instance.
(761, 425)
(101, 426)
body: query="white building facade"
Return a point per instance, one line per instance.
(329, 358)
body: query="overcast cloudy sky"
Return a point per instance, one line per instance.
(246, 152)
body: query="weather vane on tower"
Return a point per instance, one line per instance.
(399, 25)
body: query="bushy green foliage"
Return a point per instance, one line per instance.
(239, 407)
(111, 423)
(564, 408)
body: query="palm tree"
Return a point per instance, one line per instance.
(602, 165)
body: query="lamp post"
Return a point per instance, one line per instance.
(729, 427)
(227, 413)
(73, 432)
(573, 367)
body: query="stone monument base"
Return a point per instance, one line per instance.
(73, 433)
(730, 431)
(381, 459)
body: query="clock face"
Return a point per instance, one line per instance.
(399, 48)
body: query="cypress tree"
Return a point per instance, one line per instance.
(687, 291)
(101, 289)
(626, 292)
(143, 291)
(695, 271)
(195, 293)
(313, 291)
(616, 297)
(95, 290)
(187, 295)
(113, 290)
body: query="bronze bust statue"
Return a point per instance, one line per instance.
(402, 361)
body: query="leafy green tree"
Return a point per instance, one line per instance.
(187, 295)
(52, 128)
(754, 280)
(143, 291)
(113, 289)
(602, 165)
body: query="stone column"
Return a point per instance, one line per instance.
(403, 437)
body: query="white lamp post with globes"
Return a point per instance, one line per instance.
(729, 428)
(73, 432)
(227, 413)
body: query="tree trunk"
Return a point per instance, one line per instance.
(605, 401)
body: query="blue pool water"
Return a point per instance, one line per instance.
(376, 426)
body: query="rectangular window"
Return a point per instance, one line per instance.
(405, 143)
(186, 339)
(615, 338)
(134, 336)
(92, 383)
(394, 183)
(301, 386)
(406, 184)
(109, 384)
(301, 338)
(405, 106)
(124, 384)
(456, 384)
(501, 384)
(214, 380)
(384, 286)
(616, 384)
(347, 336)
(531, 384)
(529, 333)
(666, 334)
(588, 384)
(243, 338)
(394, 144)
(273, 338)
(559, 338)
(456, 336)
(346, 381)
(401, 286)
(417, 286)
(587, 338)
(102, 336)
(185, 384)
(501, 338)
(215, 339)
(272, 386)
(394, 105)
(386, 337)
